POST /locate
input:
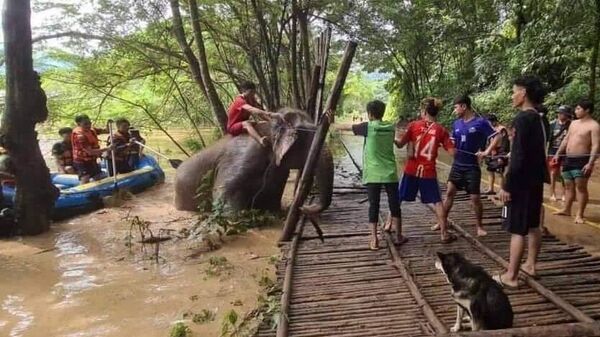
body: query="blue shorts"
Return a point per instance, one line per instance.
(427, 187)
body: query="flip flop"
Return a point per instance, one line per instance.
(373, 245)
(449, 238)
(498, 279)
(435, 227)
(533, 276)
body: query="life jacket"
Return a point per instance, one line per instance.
(64, 153)
(122, 143)
(81, 139)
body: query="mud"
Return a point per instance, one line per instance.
(82, 280)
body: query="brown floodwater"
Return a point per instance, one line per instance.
(81, 279)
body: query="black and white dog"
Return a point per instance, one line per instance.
(475, 293)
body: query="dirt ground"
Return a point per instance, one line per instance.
(81, 279)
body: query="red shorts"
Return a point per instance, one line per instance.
(236, 129)
(552, 164)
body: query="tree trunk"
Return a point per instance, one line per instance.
(213, 96)
(294, 51)
(594, 60)
(25, 106)
(304, 36)
(198, 66)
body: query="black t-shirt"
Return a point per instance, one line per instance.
(361, 129)
(527, 166)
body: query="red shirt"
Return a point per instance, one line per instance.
(236, 114)
(426, 138)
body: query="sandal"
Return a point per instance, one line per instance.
(435, 227)
(498, 279)
(449, 238)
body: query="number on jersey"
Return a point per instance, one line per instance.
(426, 150)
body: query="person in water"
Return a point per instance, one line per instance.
(581, 147)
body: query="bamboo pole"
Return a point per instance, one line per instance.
(312, 95)
(317, 144)
(286, 295)
(326, 42)
(435, 322)
(557, 330)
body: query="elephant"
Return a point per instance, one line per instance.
(249, 175)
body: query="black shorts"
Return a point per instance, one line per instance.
(496, 165)
(374, 194)
(466, 178)
(524, 210)
(88, 168)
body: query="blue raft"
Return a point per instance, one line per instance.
(76, 199)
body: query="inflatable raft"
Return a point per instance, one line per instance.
(76, 199)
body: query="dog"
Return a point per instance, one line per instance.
(476, 293)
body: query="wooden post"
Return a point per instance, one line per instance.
(326, 42)
(312, 95)
(286, 293)
(317, 144)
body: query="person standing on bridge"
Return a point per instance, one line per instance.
(523, 188)
(420, 175)
(471, 134)
(379, 166)
(581, 145)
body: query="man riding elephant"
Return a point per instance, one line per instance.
(248, 175)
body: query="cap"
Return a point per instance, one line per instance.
(565, 109)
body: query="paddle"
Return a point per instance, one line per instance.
(174, 162)
(117, 197)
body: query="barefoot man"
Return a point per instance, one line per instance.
(470, 134)
(523, 190)
(581, 146)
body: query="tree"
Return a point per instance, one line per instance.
(25, 107)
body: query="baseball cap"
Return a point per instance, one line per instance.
(565, 109)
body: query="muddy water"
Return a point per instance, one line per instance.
(82, 280)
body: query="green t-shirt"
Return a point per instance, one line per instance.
(379, 162)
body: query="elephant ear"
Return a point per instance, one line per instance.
(284, 137)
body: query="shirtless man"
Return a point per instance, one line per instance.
(582, 144)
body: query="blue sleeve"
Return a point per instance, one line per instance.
(486, 128)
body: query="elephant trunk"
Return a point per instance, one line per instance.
(324, 182)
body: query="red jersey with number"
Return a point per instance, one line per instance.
(425, 137)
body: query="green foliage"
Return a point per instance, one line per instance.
(217, 266)
(180, 330)
(205, 316)
(204, 192)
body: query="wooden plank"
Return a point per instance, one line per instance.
(591, 329)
